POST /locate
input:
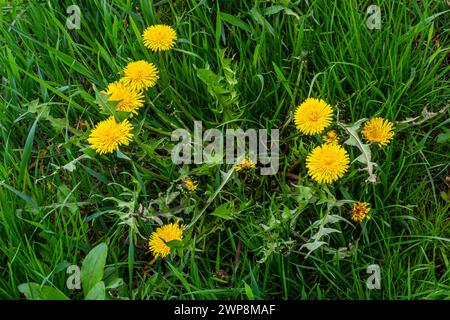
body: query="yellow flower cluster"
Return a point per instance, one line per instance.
(330, 161)
(128, 92)
(159, 242)
(108, 135)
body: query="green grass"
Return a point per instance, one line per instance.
(51, 217)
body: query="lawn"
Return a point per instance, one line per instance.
(69, 213)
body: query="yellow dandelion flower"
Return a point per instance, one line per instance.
(130, 100)
(313, 116)
(360, 211)
(140, 75)
(331, 137)
(189, 184)
(108, 135)
(245, 164)
(159, 37)
(327, 163)
(158, 240)
(378, 130)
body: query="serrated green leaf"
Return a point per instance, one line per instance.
(312, 246)
(366, 155)
(323, 232)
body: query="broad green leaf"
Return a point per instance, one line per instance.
(97, 292)
(115, 283)
(34, 291)
(235, 21)
(31, 290)
(93, 267)
(249, 292)
(225, 211)
(174, 244)
(51, 293)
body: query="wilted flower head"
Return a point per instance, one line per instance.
(360, 211)
(245, 164)
(189, 184)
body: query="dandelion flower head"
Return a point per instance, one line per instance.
(140, 75)
(158, 239)
(378, 130)
(327, 163)
(159, 37)
(313, 116)
(108, 135)
(130, 100)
